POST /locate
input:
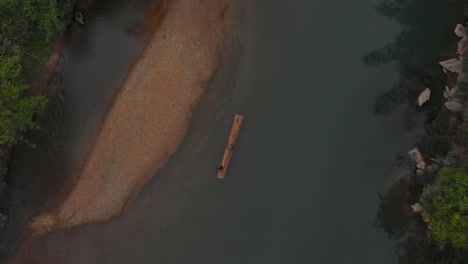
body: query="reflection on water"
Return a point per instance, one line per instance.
(427, 38)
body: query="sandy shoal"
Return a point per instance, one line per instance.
(149, 116)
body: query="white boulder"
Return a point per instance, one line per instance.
(454, 106)
(415, 155)
(417, 208)
(452, 65)
(424, 96)
(460, 31)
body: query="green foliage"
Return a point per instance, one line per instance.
(446, 209)
(436, 146)
(26, 27)
(43, 16)
(31, 25)
(33, 22)
(440, 126)
(16, 111)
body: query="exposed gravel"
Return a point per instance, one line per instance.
(149, 117)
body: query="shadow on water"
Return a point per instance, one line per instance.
(427, 38)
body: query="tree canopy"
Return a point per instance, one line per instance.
(26, 28)
(16, 111)
(446, 209)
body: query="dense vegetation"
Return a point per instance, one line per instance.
(26, 29)
(446, 209)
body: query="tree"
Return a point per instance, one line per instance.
(446, 209)
(16, 111)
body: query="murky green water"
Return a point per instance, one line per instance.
(311, 157)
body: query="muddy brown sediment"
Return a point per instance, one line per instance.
(149, 116)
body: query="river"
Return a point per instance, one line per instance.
(310, 160)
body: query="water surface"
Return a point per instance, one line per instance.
(311, 157)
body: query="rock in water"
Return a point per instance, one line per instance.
(449, 160)
(454, 106)
(417, 208)
(421, 165)
(424, 96)
(452, 65)
(460, 31)
(415, 155)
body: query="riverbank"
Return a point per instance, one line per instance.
(30, 52)
(149, 116)
(430, 229)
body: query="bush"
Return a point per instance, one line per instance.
(26, 28)
(440, 126)
(436, 146)
(446, 209)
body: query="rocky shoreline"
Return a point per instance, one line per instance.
(419, 209)
(455, 102)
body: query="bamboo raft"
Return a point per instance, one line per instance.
(223, 165)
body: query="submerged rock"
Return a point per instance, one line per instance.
(419, 172)
(415, 155)
(79, 17)
(454, 106)
(460, 31)
(449, 160)
(424, 96)
(452, 65)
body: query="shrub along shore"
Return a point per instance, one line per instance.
(27, 29)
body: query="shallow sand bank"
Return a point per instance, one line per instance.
(149, 116)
